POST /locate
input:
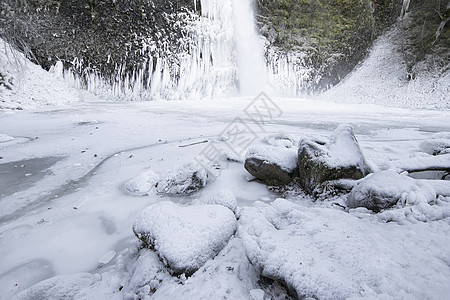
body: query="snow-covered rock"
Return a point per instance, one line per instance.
(425, 163)
(385, 188)
(5, 138)
(257, 294)
(228, 276)
(438, 143)
(280, 139)
(422, 212)
(78, 286)
(326, 253)
(339, 157)
(143, 183)
(273, 165)
(185, 237)
(147, 275)
(224, 197)
(184, 179)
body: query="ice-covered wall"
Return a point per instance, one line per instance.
(222, 56)
(208, 68)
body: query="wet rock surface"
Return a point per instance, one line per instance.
(272, 165)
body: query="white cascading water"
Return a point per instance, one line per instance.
(249, 49)
(224, 58)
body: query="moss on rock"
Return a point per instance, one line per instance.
(426, 39)
(334, 34)
(339, 157)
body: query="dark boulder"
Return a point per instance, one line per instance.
(272, 165)
(338, 158)
(384, 189)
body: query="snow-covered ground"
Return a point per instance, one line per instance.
(68, 208)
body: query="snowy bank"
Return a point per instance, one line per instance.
(382, 79)
(28, 85)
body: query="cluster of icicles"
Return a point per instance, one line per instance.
(226, 58)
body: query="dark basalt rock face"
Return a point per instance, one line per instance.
(104, 36)
(332, 35)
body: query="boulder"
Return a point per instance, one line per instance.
(185, 237)
(5, 138)
(339, 157)
(325, 253)
(437, 144)
(439, 162)
(143, 183)
(272, 165)
(224, 197)
(280, 139)
(184, 179)
(385, 188)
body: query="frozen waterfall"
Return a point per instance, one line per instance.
(224, 57)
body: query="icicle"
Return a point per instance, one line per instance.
(405, 6)
(224, 53)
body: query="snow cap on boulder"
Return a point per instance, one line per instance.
(224, 197)
(280, 139)
(185, 237)
(438, 143)
(143, 183)
(385, 188)
(184, 179)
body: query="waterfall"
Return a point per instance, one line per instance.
(249, 51)
(223, 57)
(227, 55)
